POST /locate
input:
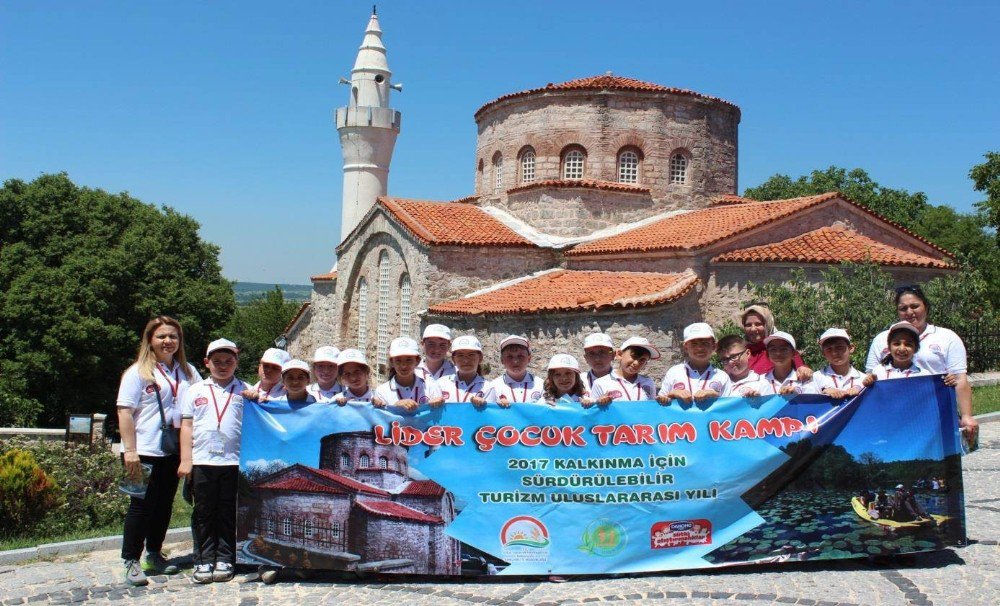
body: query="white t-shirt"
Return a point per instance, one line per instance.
(277, 391)
(527, 390)
(217, 419)
(623, 390)
(829, 379)
(422, 391)
(751, 382)
(139, 395)
(447, 368)
(351, 397)
(941, 351)
(589, 379)
(682, 376)
(772, 386)
(456, 390)
(883, 372)
(324, 396)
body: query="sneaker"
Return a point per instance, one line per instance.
(202, 574)
(223, 572)
(134, 575)
(156, 563)
(269, 576)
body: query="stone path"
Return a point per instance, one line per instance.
(966, 576)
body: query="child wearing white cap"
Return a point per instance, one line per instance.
(599, 352)
(269, 371)
(563, 383)
(436, 342)
(839, 379)
(324, 368)
(696, 378)
(782, 379)
(405, 389)
(295, 379)
(354, 374)
(211, 426)
(904, 342)
(626, 383)
(516, 384)
(468, 383)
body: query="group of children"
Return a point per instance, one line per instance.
(423, 374)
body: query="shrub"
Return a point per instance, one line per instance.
(26, 492)
(17, 410)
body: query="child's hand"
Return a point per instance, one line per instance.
(378, 402)
(340, 400)
(706, 394)
(836, 394)
(251, 393)
(408, 405)
(853, 392)
(663, 399)
(478, 402)
(749, 392)
(951, 380)
(604, 400)
(868, 381)
(503, 402)
(436, 402)
(804, 374)
(787, 390)
(680, 394)
(184, 470)
(586, 402)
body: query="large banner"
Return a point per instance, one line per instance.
(631, 487)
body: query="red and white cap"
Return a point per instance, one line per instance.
(780, 336)
(404, 346)
(218, 344)
(642, 342)
(698, 330)
(904, 326)
(598, 339)
(514, 340)
(439, 331)
(834, 333)
(352, 355)
(294, 365)
(326, 353)
(466, 343)
(564, 361)
(275, 356)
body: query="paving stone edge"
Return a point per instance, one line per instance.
(47, 550)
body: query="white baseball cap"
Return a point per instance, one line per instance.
(439, 331)
(351, 355)
(218, 344)
(275, 356)
(779, 335)
(294, 365)
(466, 343)
(564, 361)
(326, 353)
(404, 346)
(834, 333)
(904, 326)
(514, 340)
(598, 339)
(698, 330)
(643, 342)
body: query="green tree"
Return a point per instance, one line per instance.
(256, 325)
(986, 179)
(81, 272)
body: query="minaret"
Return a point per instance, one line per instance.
(368, 128)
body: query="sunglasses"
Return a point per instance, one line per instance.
(910, 288)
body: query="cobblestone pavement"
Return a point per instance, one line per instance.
(966, 576)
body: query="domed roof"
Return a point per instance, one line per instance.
(604, 82)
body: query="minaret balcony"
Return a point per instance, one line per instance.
(377, 117)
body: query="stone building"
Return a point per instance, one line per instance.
(359, 510)
(603, 203)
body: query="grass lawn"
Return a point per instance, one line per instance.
(985, 399)
(181, 518)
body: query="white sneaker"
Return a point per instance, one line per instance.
(202, 574)
(223, 572)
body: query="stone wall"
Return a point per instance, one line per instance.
(377, 539)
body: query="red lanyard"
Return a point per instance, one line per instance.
(524, 394)
(629, 395)
(416, 391)
(175, 384)
(706, 377)
(846, 386)
(468, 392)
(893, 368)
(219, 415)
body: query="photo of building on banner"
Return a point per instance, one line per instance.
(639, 487)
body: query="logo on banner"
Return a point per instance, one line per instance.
(604, 538)
(201, 401)
(524, 539)
(680, 533)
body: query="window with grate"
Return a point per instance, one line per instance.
(678, 168)
(497, 173)
(383, 463)
(573, 164)
(628, 167)
(528, 166)
(364, 462)
(286, 527)
(335, 530)
(345, 462)
(405, 294)
(308, 529)
(382, 330)
(362, 314)
(270, 526)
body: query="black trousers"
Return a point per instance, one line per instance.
(147, 519)
(213, 521)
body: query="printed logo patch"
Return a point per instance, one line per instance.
(604, 538)
(524, 539)
(615, 393)
(535, 395)
(150, 388)
(679, 385)
(423, 400)
(680, 533)
(201, 401)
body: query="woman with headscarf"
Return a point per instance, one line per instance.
(757, 322)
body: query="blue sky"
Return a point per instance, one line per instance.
(223, 110)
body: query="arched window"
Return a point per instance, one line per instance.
(364, 462)
(383, 308)
(628, 166)
(286, 527)
(383, 462)
(335, 530)
(362, 314)
(345, 462)
(497, 173)
(308, 529)
(678, 168)
(527, 165)
(405, 294)
(573, 163)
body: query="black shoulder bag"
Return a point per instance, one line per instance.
(170, 436)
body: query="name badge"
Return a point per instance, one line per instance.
(216, 443)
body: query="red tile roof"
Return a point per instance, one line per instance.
(699, 228)
(836, 244)
(423, 488)
(298, 315)
(328, 277)
(567, 290)
(389, 509)
(301, 485)
(443, 223)
(601, 83)
(583, 183)
(348, 483)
